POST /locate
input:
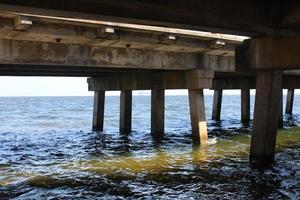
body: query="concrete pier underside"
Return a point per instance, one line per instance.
(47, 39)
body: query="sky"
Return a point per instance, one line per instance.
(66, 86)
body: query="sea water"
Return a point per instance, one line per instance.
(48, 151)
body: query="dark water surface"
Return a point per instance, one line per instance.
(48, 151)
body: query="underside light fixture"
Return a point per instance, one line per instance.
(217, 44)
(168, 38)
(220, 42)
(171, 37)
(106, 32)
(22, 23)
(109, 30)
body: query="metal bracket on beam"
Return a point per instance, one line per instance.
(22, 23)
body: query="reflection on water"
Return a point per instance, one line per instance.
(47, 151)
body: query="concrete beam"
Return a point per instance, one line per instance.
(291, 81)
(66, 33)
(218, 63)
(248, 82)
(51, 70)
(233, 83)
(250, 17)
(190, 79)
(290, 14)
(194, 79)
(16, 52)
(269, 53)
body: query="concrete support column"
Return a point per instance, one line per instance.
(266, 115)
(245, 105)
(98, 114)
(157, 111)
(217, 104)
(280, 118)
(125, 111)
(197, 113)
(289, 101)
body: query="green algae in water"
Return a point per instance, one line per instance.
(288, 136)
(236, 146)
(204, 172)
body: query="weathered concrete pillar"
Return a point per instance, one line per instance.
(98, 114)
(266, 115)
(125, 111)
(280, 118)
(289, 101)
(245, 105)
(197, 113)
(217, 104)
(157, 111)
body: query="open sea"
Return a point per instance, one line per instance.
(48, 151)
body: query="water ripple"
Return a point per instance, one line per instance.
(48, 151)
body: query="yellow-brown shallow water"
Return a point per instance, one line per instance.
(48, 152)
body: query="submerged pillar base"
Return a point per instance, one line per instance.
(259, 161)
(198, 120)
(266, 115)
